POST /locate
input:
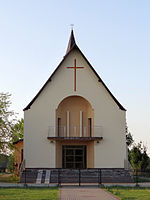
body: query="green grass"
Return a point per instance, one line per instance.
(28, 193)
(125, 193)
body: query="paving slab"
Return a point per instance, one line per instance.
(84, 194)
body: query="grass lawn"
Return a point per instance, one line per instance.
(130, 193)
(28, 193)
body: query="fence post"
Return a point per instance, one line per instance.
(59, 178)
(25, 181)
(136, 177)
(100, 177)
(79, 177)
(50, 176)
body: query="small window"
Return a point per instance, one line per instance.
(90, 127)
(59, 127)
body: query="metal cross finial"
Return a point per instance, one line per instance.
(72, 25)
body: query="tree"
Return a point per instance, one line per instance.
(135, 157)
(17, 133)
(148, 167)
(145, 159)
(3, 162)
(7, 120)
(129, 137)
(18, 130)
(138, 156)
(137, 153)
(10, 165)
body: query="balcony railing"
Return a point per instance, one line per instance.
(75, 133)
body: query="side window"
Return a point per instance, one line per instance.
(59, 127)
(89, 127)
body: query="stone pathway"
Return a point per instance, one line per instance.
(84, 194)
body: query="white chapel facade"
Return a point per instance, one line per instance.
(74, 121)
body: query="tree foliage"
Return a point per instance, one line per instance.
(138, 156)
(7, 121)
(11, 130)
(18, 130)
(137, 153)
(129, 137)
(3, 161)
(17, 133)
(10, 165)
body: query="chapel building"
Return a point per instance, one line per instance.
(74, 121)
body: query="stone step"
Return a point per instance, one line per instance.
(47, 177)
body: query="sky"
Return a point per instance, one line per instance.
(114, 35)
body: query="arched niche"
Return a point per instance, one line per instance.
(74, 117)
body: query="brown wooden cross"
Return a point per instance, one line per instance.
(75, 71)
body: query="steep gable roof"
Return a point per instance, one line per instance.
(71, 46)
(71, 42)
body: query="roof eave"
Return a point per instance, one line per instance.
(18, 141)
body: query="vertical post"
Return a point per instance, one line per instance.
(59, 127)
(136, 177)
(79, 177)
(65, 135)
(50, 177)
(59, 178)
(75, 132)
(90, 127)
(25, 181)
(85, 132)
(100, 177)
(67, 123)
(80, 123)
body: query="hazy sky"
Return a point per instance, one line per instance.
(114, 35)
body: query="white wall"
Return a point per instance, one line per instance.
(39, 152)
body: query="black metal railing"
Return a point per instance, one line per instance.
(82, 176)
(74, 131)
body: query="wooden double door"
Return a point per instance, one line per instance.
(74, 156)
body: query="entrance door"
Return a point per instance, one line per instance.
(74, 157)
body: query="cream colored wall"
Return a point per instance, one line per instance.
(39, 152)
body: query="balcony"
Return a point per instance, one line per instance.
(75, 133)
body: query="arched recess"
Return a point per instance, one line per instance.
(74, 118)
